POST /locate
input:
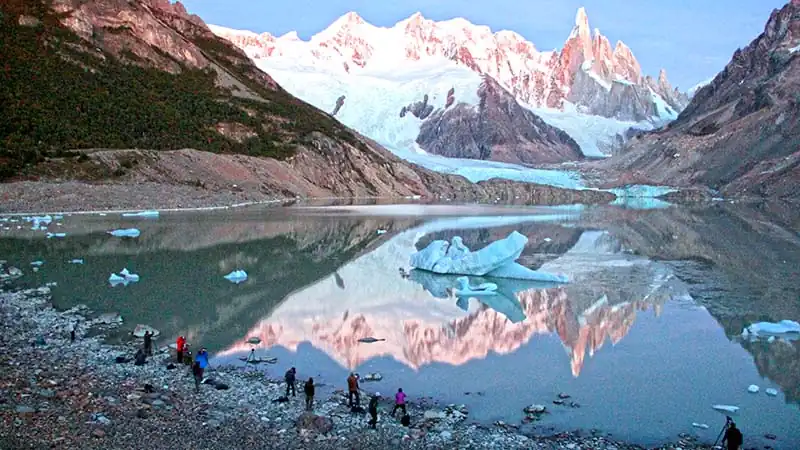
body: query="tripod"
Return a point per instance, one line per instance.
(728, 421)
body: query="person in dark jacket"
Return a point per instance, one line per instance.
(290, 377)
(373, 410)
(733, 437)
(353, 397)
(148, 343)
(309, 390)
(197, 371)
(139, 358)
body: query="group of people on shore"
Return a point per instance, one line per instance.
(353, 397)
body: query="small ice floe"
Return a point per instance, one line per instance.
(373, 377)
(237, 276)
(370, 340)
(102, 214)
(787, 329)
(56, 235)
(548, 240)
(51, 284)
(123, 278)
(254, 340)
(728, 409)
(75, 261)
(150, 214)
(128, 232)
(771, 392)
(381, 231)
(39, 222)
(700, 425)
(58, 217)
(753, 389)
(37, 263)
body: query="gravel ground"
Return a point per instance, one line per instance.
(55, 393)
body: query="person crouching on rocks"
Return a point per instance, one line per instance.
(197, 371)
(309, 390)
(290, 378)
(399, 402)
(180, 344)
(373, 410)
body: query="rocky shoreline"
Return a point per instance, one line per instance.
(55, 393)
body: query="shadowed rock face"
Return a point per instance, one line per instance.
(740, 133)
(420, 110)
(498, 129)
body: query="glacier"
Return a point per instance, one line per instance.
(496, 260)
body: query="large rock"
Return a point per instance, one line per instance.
(310, 421)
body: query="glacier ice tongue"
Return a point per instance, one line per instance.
(237, 276)
(494, 260)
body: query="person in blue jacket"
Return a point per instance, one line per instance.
(202, 360)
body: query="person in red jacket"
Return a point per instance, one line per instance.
(181, 344)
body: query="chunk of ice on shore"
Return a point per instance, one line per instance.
(237, 276)
(771, 392)
(128, 232)
(728, 409)
(381, 231)
(753, 389)
(56, 235)
(150, 214)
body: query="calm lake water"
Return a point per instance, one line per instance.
(645, 338)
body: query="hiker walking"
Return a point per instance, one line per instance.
(148, 343)
(290, 378)
(180, 345)
(399, 402)
(197, 371)
(352, 391)
(309, 390)
(373, 410)
(733, 437)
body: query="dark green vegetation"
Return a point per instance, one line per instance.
(61, 93)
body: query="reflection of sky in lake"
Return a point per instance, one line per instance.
(662, 370)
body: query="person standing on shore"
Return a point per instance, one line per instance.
(309, 390)
(179, 346)
(197, 371)
(733, 437)
(202, 359)
(148, 343)
(290, 378)
(352, 391)
(399, 402)
(373, 410)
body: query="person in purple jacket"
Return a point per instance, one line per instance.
(399, 401)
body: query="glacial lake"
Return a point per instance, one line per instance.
(645, 338)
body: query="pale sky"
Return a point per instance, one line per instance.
(691, 39)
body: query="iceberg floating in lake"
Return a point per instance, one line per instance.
(37, 263)
(753, 389)
(495, 260)
(123, 278)
(771, 392)
(56, 235)
(39, 222)
(700, 425)
(129, 232)
(728, 409)
(76, 261)
(788, 329)
(237, 276)
(146, 214)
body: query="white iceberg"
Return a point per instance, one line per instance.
(129, 232)
(494, 260)
(728, 409)
(76, 261)
(151, 214)
(56, 235)
(753, 389)
(123, 278)
(788, 329)
(381, 231)
(37, 263)
(771, 392)
(39, 222)
(237, 276)
(700, 425)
